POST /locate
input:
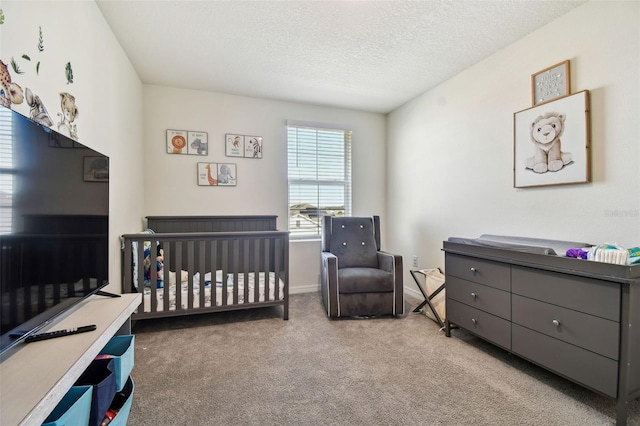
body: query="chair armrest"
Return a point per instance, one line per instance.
(329, 282)
(393, 263)
(386, 260)
(329, 260)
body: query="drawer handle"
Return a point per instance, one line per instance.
(473, 296)
(556, 322)
(474, 321)
(473, 270)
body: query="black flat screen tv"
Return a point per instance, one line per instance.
(54, 225)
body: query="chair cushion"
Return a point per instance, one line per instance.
(353, 242)
(364, 280)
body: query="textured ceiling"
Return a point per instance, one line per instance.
(364, 55)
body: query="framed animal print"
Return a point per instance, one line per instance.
(551, 143)
(234, 145)
(187, 142)
(243, 146)
(177, 141)
(217, 174)
(253, 147)
(198, 143)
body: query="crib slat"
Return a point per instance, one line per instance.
(153, 274)
(245, 270)
(166, 248)
(267, 263)
(177, 254)
(201, 268)
(225, 270)
(234, 268)
(214, 267)
(190, 260)
(255, 270)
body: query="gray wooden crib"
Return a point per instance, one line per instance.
(206, 264)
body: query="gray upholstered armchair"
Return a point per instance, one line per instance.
(357, 279)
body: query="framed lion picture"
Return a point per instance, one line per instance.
(551, 143)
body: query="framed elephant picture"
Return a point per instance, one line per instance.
(551, 143)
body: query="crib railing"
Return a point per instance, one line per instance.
(240, 256)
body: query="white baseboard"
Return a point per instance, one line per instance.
(312, 288)
(306, 288)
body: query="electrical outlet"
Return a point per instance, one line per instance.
(415, 261)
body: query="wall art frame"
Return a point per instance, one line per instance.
(243, 146)
(217, 174)
(95, 168)
(551, 83)
(234, 145)
(177, 141)
(187, 142)
(197, 143)
(544, 155)
(253, 147)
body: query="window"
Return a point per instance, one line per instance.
(319, 170)
(6, 169)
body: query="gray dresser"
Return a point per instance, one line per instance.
(570, 316)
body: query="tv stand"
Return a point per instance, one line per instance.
(36, 376)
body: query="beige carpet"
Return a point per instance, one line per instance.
(253, 368)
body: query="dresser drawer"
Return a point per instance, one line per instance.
(596, 334)
(494, 274)
(487, 326)
(578, 293)
(582, 366)
(485, 298)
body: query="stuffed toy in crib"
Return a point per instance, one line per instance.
(159, 265)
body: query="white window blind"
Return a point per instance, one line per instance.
(319, 170)
(6, 171)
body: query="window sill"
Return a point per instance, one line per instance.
(304, 239)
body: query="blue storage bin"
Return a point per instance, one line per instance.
(123, 415)
(73, 409)
(100, 375)
(121, 349)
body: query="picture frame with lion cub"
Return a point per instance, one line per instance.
(551, 143)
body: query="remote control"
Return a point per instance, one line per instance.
(59, 333)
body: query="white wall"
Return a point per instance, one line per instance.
(448, 154)
(108, 94)
(450, 151)
(170, 186)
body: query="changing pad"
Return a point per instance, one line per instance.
(522, 244)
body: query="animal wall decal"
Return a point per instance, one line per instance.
(12, 93)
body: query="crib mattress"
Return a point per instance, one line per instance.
(276, 291)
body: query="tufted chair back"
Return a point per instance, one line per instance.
(354, 240)
(357, 278)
